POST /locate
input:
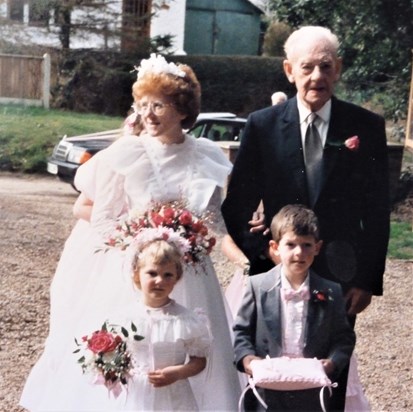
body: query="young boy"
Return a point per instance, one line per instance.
(291, 311)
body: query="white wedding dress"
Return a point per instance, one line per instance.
(90, 287)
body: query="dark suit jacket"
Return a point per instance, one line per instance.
(353, 204)
(257, 327)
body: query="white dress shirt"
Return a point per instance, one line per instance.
(293, 320)
(321, 123)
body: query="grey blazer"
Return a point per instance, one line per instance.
(257, 327)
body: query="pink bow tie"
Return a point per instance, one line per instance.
(290, 294)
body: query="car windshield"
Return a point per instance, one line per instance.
(217, 131)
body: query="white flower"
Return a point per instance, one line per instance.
(157, 64)
(161, 232)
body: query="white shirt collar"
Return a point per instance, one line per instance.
(286, 284)
(324, 113)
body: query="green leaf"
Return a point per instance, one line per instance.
(81, 360)
(124, 332)
(133, 327)
(76, 351)
(138, 337)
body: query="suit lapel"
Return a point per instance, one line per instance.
(270, 302)
(338, 131)
(316, 312)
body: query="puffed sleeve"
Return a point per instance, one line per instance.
(109, 199)
(199, 338)
(85, 178)
(211, 171)
(114, 165)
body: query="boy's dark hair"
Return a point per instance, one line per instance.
(296, 218)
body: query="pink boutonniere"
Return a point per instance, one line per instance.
(352, 143)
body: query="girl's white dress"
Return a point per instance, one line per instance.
(171, 333)
(89, 286)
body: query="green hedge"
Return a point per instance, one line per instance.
(97, 82)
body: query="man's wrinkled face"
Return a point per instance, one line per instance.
(314, 68)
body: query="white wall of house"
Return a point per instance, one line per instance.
(168, 19)
(171, 20)
(21, 32)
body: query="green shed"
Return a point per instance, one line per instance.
(225, 27)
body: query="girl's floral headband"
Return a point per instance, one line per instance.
(157, 64)
(149, 235)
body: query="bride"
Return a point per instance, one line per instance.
(162, 164)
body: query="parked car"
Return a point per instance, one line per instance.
(71, 152)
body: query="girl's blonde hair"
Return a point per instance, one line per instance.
(159, 252)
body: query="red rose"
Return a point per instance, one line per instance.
(103, 341)
(185, 218)
(320, 296)
(197, 226)
(204, 231)
(192, 240)
(169, 213)
(352, 143)
(212, 242)
(157, 219)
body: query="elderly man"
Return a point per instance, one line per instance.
(327, 154)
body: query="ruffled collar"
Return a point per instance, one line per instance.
(150, 309)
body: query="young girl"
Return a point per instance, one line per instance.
(175, 344)
(176, 340)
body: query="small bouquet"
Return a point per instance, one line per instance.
(105, 355)
(173, 216)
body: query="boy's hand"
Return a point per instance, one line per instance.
(246, 363)
(328, 366)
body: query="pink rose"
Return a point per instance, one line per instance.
(185, 218)
(103, 341)
(352, 143)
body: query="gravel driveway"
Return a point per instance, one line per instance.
(35, 221)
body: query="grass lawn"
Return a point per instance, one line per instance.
(28, 134)
(401, 240)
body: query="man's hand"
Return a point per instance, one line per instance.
(357, 300)
(246, 361)
(257, 223)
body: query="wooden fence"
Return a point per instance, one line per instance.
(25, 79)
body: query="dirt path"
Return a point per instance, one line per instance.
(35, 215)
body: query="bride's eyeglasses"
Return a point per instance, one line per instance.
(157, 108)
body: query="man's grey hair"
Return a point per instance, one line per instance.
(310, 32)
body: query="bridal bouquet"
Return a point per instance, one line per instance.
(173, 216)
(105, 355)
